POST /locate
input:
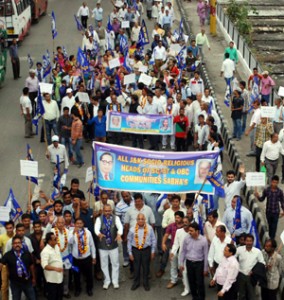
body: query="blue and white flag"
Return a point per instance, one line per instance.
(40, 111)
(46, 64)
(181, 58)
(91, 83)
(15, 208)
(254, 93)
(117, 85)
(123, 45)
(181, 30)
(160, 200)
(228, 92)
(57, 175)
(65, 54)
(78, 23)
(109, 26)
(82, 60)
(30, 61)
(126, 62)
(238, 218)
(143, 38)
(53, 26)
(96, 49)
(253, 231)
(31, 158)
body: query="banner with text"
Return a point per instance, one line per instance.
(131, 169)
(140, 124)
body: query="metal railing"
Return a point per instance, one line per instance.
(240, 44)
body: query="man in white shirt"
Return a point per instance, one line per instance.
(26, 111)
(228, 68)
(32, 84)
(216, 250)
(52, 264)
(226, 274)
(57, 149)
(270, 154)
(108, 229)
(50, 116)
(247, 256)
(196, 85)
(233, 187)
(68, 100)
(160, 55)
(98, 13)
(255, 120)
(84, 256)
(84, 13)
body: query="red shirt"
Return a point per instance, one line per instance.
(171, 230)
(181, 126)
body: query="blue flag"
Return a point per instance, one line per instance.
(40, 111)
(253, 231)
(208, 201)
(238, 217)
(53, 26)
(210, 107)
(215, 178)
(78, 23)
(181, 30)
(254, 93)
(70, 258)
(109, 26)
(91, 83)
(46, 65)
(143, 38)
(31, 158)
(15, 208)
(82, 60)
(30, 61)
(65, 53)
(57, 175)
(160, 200)
(123, 45)
(126, 63)
(117, 85)
(228, 92)
(181, 58)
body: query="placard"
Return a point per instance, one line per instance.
(255, 179)
(267, 111)
(130, 78)
(46, 88)
(29, 168)
(89, 174)
(185, 37)
(114, 63)
(175, 47)
(143, 69)
(125, 24)
(4, 213)
(281, 91)
(83, 97)
(147, 80)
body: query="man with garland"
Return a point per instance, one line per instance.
(109, 229)
(84, 256)
(141, 248)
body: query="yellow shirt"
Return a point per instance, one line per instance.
(4, 238)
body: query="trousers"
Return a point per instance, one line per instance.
(113, 255)
(86, 269)
(245, 288)
(142, 258)
(54, 291)
(196, 279)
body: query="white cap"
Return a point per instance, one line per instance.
(32, 71)
(55, 138)
(69, 91)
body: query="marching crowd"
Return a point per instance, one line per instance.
(59, 240)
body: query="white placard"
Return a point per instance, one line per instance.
(29, 168)
(281, 91)
(175, 47)
(128, 79)
(267, 111)
(255, 179)
(282, 236)
(83, 97)
(143, 69)
(46, 87)
(125, 24)
(147, 80)
(89, 174)
(4, 213)
(185, 37)
(114, 63)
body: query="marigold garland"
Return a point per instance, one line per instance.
(82, 248)
(136, 239)
(58, 240)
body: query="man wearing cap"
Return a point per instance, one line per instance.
(68, 101)
(32, 84)
(57, 149)
(98, 13)
(266, 83)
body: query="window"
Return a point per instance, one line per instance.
(2, 10)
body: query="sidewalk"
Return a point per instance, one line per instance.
(213, 60)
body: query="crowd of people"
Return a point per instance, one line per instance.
(59, 240)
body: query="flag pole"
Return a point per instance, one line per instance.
(199, 192)
(29, 192)
(44, 133)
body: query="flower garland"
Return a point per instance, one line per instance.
(144, 236)
(82, 247)
(58, 240)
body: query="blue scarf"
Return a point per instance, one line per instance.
(81, 237)
(21, 268)
(107, 232)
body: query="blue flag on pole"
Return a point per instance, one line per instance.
(53, 26)
(254, 232)
(78, 23)
(40, 111)
(31, 158)
(15, 208)
(123, 45)
(215, 178)
(82, 60)
(46, 65)
(30, 61)
(181, 30)
(56, 178)
(117, 85)
(160, 200)
(143, 38)
(181, 58)
(109, 26)
(126, 63)
(65, 52)
(238, 217)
